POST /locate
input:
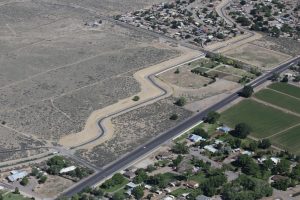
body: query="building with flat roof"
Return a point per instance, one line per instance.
(17, 176)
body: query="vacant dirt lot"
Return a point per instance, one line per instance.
(55, 70)
(185, 78)
(284, 45)
(53, 186)
(257, 56)
(135, 128)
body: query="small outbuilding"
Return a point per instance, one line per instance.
(67, 169)
(196, 138)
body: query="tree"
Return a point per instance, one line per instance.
(174, 117)
(34, 171)
(138, 192)
(17, 191)
(264, 144)
(201, 132)
(285, 79)
(43, 179)
(241, 130)
(253, 146)
(274, 77)
(177, 71)
(177, 161)
(281, 184)
(180, 148)
(141, 176)
(247, 91)
(212, 117)
(297, 79)
(181, 101)
(295, 174)
(24, 181)
(283, 167)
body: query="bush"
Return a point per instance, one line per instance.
(24, 181)
(43, 179)
(136, 98)
(174, 117)
(181, 101)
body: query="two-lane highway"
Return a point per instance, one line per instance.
(168, 135)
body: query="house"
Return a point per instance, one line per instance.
(196, 138)
(249, 153)
(218, 141)
(185, 195)
(170, 197)
(132, 169)
(131, 185)
(67, 169)
(158, 192)
(167, 190)
(275, 160)
(164, 155)
(192, 184)
(210, 148)
(261, 160)
(17, 176)
(202, 197)
(129, 174)
(224, 129)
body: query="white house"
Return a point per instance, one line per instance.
(67, 169)
(17, 176)
(196, 138)
(275, 160)
(210, 148)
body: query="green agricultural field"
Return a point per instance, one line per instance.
(264, 120)
(289, 140)
(279, 99)
(286, 88)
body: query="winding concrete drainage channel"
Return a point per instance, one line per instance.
(151, 78)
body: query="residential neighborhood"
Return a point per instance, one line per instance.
(190, 21)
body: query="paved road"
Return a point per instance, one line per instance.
(168, 135)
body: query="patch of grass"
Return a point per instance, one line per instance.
(12, 196)
(199, 178)
(289, 140)
(204, 62)
(286, 88)
(209, 128)
(235, 71)
(279, 99)
(264, 120)
(117, 187)
(178, 192)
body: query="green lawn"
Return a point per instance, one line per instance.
(199, 178)
(178, 192)
(263, 120)
(117, 187)
(12, 196)
(286, 88)
(279, 99)
(289, 140)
